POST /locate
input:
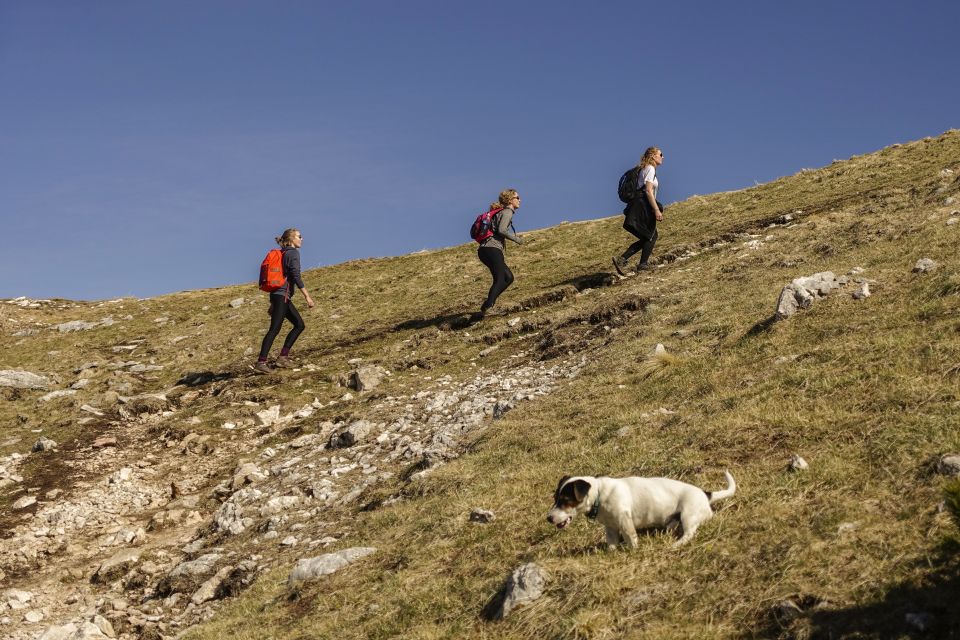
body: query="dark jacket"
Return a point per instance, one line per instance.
(639, 218)
(291, 271)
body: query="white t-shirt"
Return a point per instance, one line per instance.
(648, 174)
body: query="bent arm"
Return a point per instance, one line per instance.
(503, 228)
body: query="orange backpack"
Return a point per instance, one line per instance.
(271, 271)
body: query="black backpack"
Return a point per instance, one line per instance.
(627, 189)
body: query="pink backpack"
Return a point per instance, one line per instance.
(482, 227)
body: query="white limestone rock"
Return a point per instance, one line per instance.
(312, 568)
(19, 379)
(525, 585)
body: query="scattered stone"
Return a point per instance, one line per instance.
(862, 292)
(146, 403)
(246, 473)
(104, 441)
(366, 378)
(88, 631)
(187, 576)
(209, 590)
(229, 517)
(525, 585)
(798, 464)
(312, 568)
(106, 628)
(658, 350)
(925, 265)
(801, 293)
(23, 503)
(53, 395)
(116, 566)
(33, 617)
(949, 465)
(483, 516)
(22, 380)
(60, 633)
(144, 368)
(43, 444)
(952, 221)
(351, 434)
(236, 303)
(485, 352)
(269, 416)
(512, 322)
(501, 407)
(289, 541)
(17, 598)
(847, 527)
(76, 325)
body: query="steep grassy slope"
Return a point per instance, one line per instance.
(866, 391)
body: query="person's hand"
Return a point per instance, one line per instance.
(310, 302)
(659, 216)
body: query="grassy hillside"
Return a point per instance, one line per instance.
(866, 391)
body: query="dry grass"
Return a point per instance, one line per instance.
(866, 391)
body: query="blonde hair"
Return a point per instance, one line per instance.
(286, 238)
(647, 158)
(504, 199)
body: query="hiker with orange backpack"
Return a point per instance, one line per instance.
(279, 272)
(492, 229)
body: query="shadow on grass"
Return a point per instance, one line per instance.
(444, 322)
(761, 327)
(589, 281)
(928, 607)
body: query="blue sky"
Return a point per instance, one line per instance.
(150, 147)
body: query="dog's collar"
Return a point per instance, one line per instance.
(595, 509)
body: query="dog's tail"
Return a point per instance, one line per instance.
(725, 493)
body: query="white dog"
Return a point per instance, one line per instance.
(624, 505)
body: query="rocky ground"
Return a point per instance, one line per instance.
(159, 522)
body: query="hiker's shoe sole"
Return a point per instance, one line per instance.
(619, 265)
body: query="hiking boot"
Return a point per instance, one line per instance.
(619, 264)
(262, 368)
(645, 266)
(284, 362)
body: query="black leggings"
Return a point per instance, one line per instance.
(644, 245)
(281, 309)
(502, 276)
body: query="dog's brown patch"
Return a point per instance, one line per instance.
(570, 495)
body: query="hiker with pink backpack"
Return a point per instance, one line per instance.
(279, 272)
(492, 229)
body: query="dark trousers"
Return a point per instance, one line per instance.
(502, 276)
(644, 245)
(281, 309)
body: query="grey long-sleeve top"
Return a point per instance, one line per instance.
(503, 231)
(291, 270)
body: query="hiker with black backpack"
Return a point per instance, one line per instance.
(279, 272)
(638, 189)
(492, 229)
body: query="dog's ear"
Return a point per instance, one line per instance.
(580, 490)
(556, 492)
